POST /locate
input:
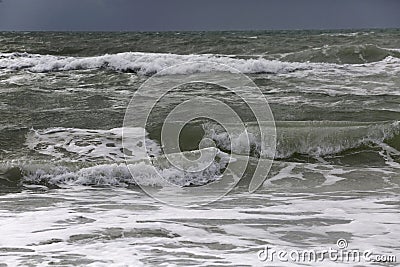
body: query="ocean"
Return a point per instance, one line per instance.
(102, 165)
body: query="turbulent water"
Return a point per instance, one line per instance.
(70, 191)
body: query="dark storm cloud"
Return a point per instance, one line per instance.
(159, 15)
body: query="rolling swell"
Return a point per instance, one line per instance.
(311, 138)
(76, 161)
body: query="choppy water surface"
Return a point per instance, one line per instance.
(68, 198)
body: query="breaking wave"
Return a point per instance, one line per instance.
(157, 172)
(143, 63)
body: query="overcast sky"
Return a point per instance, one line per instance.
(161, 15)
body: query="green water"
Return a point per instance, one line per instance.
(67, 193)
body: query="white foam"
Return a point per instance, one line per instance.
(72, 144)
(135, 230)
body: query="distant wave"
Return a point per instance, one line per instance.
(343, 54)
(347, 34)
